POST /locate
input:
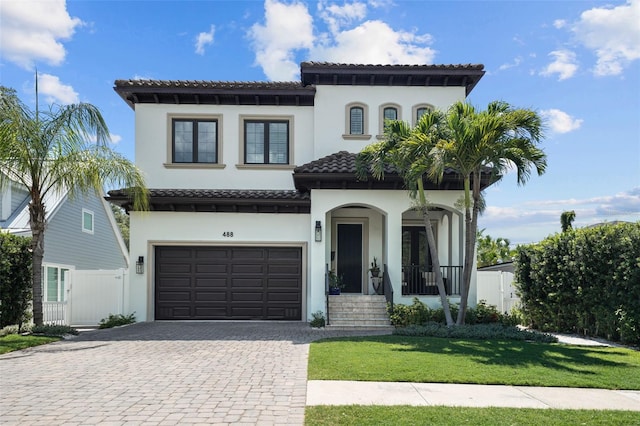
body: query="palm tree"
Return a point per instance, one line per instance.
(492, 142)
(566, 220)
(492, 251)
(51, 151)
(409, 151)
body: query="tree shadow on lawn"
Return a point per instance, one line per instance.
(577, 359)
(520, 354)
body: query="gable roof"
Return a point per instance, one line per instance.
(19, 220)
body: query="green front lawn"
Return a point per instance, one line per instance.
(438, 360)
(405, 415)
(15, 342)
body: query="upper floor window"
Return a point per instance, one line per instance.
(420, 110)
(388, 112)
(356, 121)
(87, 221)
(266, 142)
(195, 141)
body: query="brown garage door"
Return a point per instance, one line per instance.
(262, 283)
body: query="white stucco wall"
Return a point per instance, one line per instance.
(177, 228)
(153, 147)
(330, 114)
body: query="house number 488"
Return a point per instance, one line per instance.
(227, 234)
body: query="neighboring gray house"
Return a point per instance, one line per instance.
(81, 234)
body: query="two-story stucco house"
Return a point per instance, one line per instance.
(254, 194)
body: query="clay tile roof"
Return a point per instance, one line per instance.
(194, 92)
(220, 194)
(327, 73)
(219, 200)
(380, 67)
(340, 162)
(204, 84)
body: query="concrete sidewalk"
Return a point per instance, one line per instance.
(331, 392)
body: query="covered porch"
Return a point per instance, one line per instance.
(360, 227)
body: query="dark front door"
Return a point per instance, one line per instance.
(350, 256)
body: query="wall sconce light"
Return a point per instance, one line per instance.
(318, 231)
(140, 265)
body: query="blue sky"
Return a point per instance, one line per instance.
(576, 62)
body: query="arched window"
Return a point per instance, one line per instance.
(420, 110)
(356, 120)
(387, 112)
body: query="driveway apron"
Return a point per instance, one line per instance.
(164, 373)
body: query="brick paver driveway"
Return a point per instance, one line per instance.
(163, 373)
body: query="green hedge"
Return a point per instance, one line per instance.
(15, 279)
(584, 281)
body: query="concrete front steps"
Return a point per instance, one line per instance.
(358, 310)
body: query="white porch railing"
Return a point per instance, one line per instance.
(55, 313)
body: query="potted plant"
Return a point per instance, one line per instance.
(376, 281)
(336, 283)
(375, 269)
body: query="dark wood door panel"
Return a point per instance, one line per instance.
(228, 283)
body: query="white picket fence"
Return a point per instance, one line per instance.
(496, 288)
(91, 296)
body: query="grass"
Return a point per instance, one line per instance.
(15, 342)
(438, 360)
(406, 415)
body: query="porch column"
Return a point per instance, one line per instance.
(393, 255)
(316, 299)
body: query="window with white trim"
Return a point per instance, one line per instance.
(87, 221)
(53, 278)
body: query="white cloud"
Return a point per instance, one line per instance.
(204, 39)
(517, 61)
(613, 34)
(621, 203)
(559, 23)
(375, 42)
(337, 17)
(564, 65)
(114, 138)
(347, 40)
(559, 121)
(287, 27)
(56, 91)
(33, 30)
(534, 220)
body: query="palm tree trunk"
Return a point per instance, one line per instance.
(37, 216)
(434, 253)
(469, 250)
